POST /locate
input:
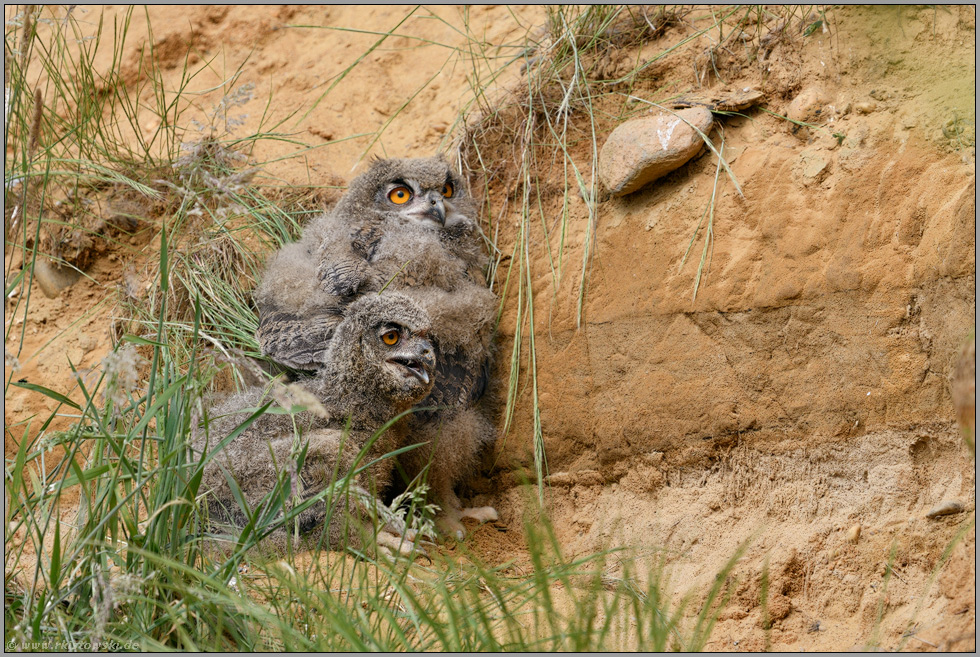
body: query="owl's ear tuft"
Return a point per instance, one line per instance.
(378, 162)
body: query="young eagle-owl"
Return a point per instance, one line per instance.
(379, 363)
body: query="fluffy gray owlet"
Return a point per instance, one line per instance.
(405, 225)
(379, 363)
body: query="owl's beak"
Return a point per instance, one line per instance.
(421, 363)
(422, 376)
(434, 208)
(427, 360)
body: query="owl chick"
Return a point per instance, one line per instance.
(406, 225)
(379, 364)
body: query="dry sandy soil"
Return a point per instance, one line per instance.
(803, 394)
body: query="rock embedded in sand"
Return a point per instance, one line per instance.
(806, 108)
(813, 167)
(641, 150)
(53, 278)
(945, 508)
(865, 107)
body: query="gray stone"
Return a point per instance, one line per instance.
(53, 278)
(641, 150)
(813, 167)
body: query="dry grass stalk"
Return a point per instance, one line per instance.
(35, 135)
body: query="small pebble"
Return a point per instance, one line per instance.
(945, 508)
(853, 534)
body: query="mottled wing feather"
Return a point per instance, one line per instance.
(296, 341)
(457, 384)
(343, 279)
(347, 275)
(365, 240)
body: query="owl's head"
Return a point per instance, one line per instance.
(383, 346)
(421, 192)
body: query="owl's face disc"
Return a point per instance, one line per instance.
(422, 192)
(391, 333)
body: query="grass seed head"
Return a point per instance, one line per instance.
(122, 373)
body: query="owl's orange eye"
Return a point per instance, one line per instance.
(399, 195)
(447, 190)
(390, 338)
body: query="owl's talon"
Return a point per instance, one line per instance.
(398, 527)
(450, 526)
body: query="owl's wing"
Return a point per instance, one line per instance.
(344, 278)
(364, 241)
(301, 305)
(344, 265)
(297, 341)
(458, 382)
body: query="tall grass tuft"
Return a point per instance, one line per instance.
(220, 233)
(73, 142)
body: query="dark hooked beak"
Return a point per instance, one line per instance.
(434, 208)
(421, 363)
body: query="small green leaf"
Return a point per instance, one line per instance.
(47, 392)
(135, 339)
(86, 475)
(55, 570)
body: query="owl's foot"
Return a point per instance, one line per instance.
(396, 537)
(395, 544)
(449, 524)
(481, 514)
(398, 527)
